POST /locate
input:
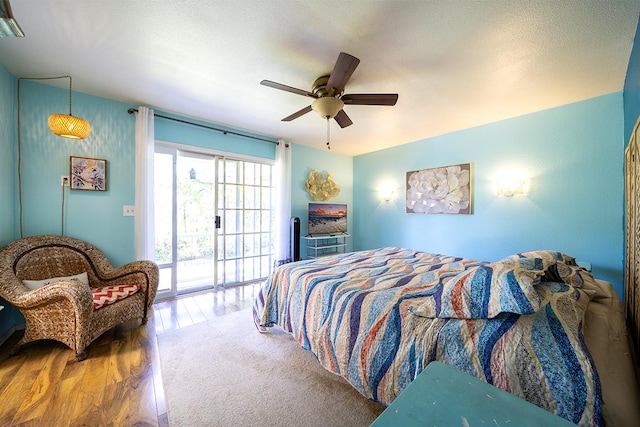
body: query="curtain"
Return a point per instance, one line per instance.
(144, 227)
(282, 206)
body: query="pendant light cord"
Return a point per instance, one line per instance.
(69, 94)
(62, 213)
(20, 146)
(19, 163)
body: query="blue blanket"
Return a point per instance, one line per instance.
(378, 317)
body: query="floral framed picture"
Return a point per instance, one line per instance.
(443, 190)
(88, 174)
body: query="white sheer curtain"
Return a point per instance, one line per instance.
(144, 227)
(282, 207)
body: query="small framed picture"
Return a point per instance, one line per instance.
(88, 174)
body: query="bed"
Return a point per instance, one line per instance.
(378, 317)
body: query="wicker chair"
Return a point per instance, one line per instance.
(64, 310)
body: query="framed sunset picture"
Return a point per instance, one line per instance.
(88, 174)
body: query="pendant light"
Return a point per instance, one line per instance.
(69, 126)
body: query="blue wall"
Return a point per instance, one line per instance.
(305, 159)
(97, 216)
(90, 215)
(573, 154)
(573, 157)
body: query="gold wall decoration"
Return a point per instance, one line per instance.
(321, 188)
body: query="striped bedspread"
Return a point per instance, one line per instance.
(378, 317)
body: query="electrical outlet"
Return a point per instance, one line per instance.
(128, 210)
(64, 181)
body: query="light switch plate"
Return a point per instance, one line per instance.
(128, 210)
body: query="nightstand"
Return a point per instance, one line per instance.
(444, 396)
(584, 264)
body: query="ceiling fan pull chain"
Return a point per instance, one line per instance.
(328, 134)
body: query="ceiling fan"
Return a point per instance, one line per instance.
(328, 92)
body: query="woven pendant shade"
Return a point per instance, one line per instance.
(68, 126)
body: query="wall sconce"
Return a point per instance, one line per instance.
(512, 187)
(509, 188)
(387, 195)
(512, 181)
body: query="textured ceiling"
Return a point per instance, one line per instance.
(455, 64)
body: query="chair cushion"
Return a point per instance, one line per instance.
(35, 284)
(110, 294)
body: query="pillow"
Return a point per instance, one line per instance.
(110, 294)
(558, 267)
(35, 284)
(548, 257)
(485, 291)
(569, 274)
(568, 302)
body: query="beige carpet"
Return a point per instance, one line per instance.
(225, 373)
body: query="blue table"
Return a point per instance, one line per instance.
(444, 396)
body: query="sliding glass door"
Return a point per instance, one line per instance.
(245, 241)
(213, 220)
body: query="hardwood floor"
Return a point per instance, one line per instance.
(119, 384)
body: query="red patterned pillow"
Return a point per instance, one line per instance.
(110, 294)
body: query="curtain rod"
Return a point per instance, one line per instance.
(134, 110)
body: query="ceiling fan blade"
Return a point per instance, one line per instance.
(371, 99)
(342, 71)
(342, 119)
(286, 88)
(297, 114)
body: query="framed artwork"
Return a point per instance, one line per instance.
(443, 190)
(88, 174)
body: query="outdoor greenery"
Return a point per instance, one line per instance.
(244, 192)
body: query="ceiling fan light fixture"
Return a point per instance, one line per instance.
(68, 126)
(328, 93)
(327, 107)
(8, 25)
